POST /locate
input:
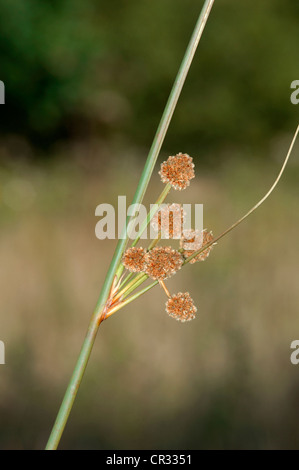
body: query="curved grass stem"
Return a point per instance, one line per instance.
(207, 245)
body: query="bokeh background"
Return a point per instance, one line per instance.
(86, 83)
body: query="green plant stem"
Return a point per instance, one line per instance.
(130, 299)
(99, 312)
(72, 389)
(128, 286)
(137, 283)
(154, 242)
(145, 223)
(152, 212)
(126, 279)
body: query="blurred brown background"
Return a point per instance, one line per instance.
(86, 84)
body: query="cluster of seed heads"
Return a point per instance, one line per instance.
(160, 263)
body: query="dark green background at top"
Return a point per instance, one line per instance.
(105, 68)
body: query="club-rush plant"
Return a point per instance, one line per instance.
(133, 266)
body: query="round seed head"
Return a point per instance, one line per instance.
(178, 171)
(169, 220)
(134, 259)
(193, 240)
(181, 307)
(162, 262)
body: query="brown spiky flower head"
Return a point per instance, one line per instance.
(193, 240)
(162, 262)
(134, 259)
(181, 307)
(169, 221)
(177, 171)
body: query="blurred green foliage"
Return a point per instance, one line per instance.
(74, 68)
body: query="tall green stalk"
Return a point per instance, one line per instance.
(99, 312)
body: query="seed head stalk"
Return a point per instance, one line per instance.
(162, 284)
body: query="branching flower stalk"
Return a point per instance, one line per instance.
(113, 279)
(122, 299)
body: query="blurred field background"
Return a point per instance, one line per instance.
(86, 83)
